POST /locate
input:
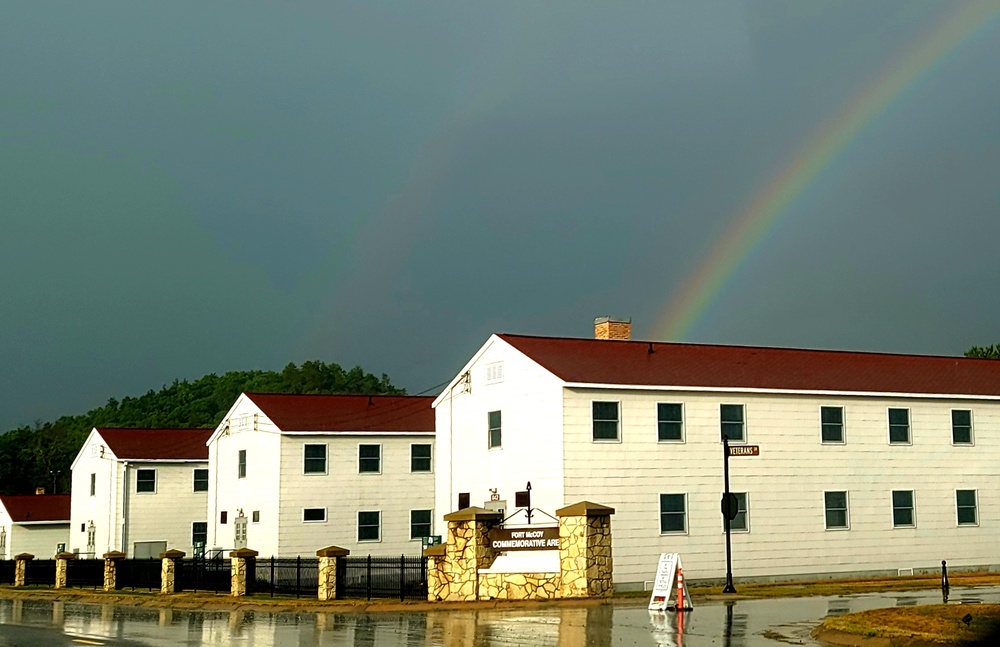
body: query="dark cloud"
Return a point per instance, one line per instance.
(194, 188)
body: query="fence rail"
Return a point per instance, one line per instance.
(85, 573)
(7, 571)
(203, 574)
(298, 576)
(138, 574)
(382, 577)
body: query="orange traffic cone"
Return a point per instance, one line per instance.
(681, 591)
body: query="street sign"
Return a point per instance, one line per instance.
(744, 450)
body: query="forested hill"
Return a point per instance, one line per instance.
(41, 455)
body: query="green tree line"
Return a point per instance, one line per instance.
(40, 455)
(984, 352)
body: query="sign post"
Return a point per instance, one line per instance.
(730, 504)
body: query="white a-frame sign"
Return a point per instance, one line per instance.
(670, 578)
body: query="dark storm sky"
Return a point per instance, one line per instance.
(198, 187)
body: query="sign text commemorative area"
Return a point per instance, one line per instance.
(540, 538)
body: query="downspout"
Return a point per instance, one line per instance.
(451, 442)
(125, 510)
(112, 505)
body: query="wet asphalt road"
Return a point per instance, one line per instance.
(745, 623)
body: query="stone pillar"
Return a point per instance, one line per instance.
(467, 550)
(437, 579)
(168, 570)
(244, 563)
(111, 560)
(328, 570)
(62, 565)
(585, 550)
(20, 566)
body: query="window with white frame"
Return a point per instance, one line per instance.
(494, 432)
(199, 533)
(832, 424)
(494, 372)
(606, 421)
(903, 509)
(93, 484)
(741, 522)
(899, 426)
(835, 504)
(420, 524)
(241, 464)
(669, 422)
(369, 525)
(673, 513)
(420, 457)
(732, 421)
(966, 508)
(200, 480)
(369, 459)
(961, 427)
(145, 481)
(313, 515)
(314, 458)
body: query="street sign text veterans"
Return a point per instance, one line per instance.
(540, 538)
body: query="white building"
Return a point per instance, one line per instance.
(33, 524)
(296, 473)
(140, 491)
(868, 462)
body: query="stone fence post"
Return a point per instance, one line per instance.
(468, 549)
(328, 570)
(437, 577)
(585, 550)
(62, 566)
(20, 566)
(244, 568)
(111, 560)
(168, 570)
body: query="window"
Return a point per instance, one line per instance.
(313, 514)
(223, 517)
(242, 469)
(369, 459)
(495, 437)
(605, 419)
(420, 524)
(669, 422)
(836, 510)
(965, 503)
(314, 459)
(899, 426)
(741, 522)
(731, 417)
(673, 513)
(199, 533)
(369, 526)
(494, 372)
(420, 458)
(201, 480)
(145, 480)
(255, 516)
(961, 427)
(463, 500)
(902, 509)
(832, 424)
(93, 484)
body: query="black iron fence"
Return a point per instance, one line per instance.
(298, 576)
(382, 577)
(203, 574)
(138, 574)
(85, 573)
(7, 571)
(40, 572)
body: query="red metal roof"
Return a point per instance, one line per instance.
(347, 413)
(598, 361)
(157, 444)
(40, 507)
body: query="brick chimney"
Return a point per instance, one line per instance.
(613, 328)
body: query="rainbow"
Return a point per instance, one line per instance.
(697, 293)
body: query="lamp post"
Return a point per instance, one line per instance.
(727, 514)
